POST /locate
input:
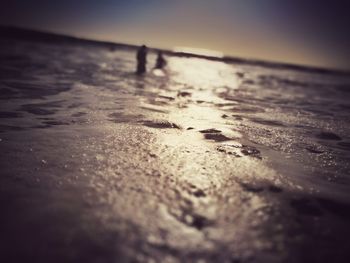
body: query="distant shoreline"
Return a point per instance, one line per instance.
(18, 33)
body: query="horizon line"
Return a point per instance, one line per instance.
(225, 58)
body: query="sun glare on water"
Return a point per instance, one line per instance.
(203, 74)
(198, 81)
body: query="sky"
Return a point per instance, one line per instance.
(304, 32)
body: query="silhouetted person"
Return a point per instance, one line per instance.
(141, 60)
(160, 62)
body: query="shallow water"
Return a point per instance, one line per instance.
(203, 161)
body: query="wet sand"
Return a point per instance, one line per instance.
(206, 162)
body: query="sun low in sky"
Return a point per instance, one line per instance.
(301, 32)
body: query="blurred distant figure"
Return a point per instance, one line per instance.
(141, 60)
(160, 62)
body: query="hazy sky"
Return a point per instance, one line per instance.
(304, 32)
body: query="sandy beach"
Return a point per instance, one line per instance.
(205, 161)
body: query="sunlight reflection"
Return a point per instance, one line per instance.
(195, 81)
(199, 79)
(203, 74)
